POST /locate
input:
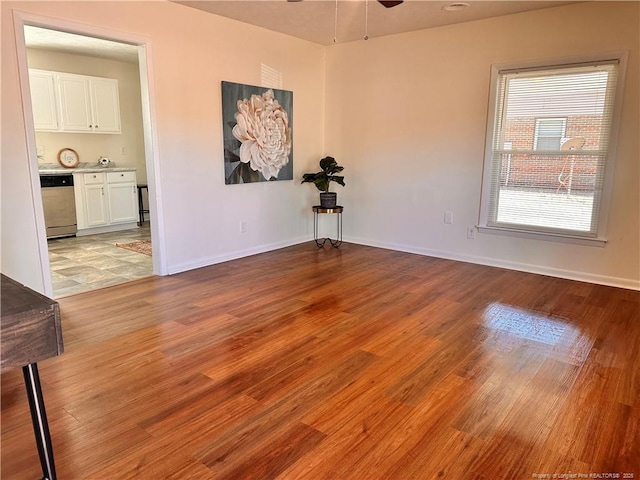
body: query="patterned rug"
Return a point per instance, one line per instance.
(141, 246)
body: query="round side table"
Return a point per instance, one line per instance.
(317, 209)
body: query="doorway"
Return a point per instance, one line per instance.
(102, 258)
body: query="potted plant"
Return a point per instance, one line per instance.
(322, 180)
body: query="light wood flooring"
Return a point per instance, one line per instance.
(349, 363)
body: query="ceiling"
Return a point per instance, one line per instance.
(42, 38)
(312, 20)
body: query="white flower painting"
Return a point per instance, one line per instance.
(258, 133)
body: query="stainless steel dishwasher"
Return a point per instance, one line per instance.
(59, 205)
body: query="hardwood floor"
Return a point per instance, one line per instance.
(342, 363)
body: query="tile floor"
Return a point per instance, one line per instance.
(80, 264)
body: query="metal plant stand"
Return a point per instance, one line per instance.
(317, 209)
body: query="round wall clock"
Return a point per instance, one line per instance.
(68, 158)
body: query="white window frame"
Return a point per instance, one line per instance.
(607, 187)
(536, 133)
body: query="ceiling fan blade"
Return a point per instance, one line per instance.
(390, 3)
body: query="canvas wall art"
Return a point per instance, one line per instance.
(257, 133)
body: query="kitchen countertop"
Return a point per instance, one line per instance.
(86, 167)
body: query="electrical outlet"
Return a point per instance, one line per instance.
(471, 233)
(40, 150)
(448, 217)
(123, 151)
(243, 227)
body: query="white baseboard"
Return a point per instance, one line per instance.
(207, 261)
(627, 283)
(116, 227)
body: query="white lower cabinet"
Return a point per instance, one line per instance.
(106, 201)
(95, 201)
(96, 207)
(123, 197)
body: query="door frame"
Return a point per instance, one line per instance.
(153, 167)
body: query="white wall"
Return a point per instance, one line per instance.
(406, 116)
(192, 52)
(91, 147)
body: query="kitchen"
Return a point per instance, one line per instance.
(89, 137)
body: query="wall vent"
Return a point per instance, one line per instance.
(270, 77)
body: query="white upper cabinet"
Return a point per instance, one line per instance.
(84, 104)
(75, 103)
(105, 105)
(43, 100)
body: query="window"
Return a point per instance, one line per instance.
(549, 149)
(549, 133)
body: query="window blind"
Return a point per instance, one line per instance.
(550, 147)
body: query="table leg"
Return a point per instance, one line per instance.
(39, 418)
(338, 240)
(319, 243)
(334, 243)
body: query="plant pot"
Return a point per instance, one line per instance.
(328, 199)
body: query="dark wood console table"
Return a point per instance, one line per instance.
(30, 331)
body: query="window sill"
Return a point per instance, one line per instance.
(552, 237)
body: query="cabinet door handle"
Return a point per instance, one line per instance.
(102, 189)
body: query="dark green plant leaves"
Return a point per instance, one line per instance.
(323, 179)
